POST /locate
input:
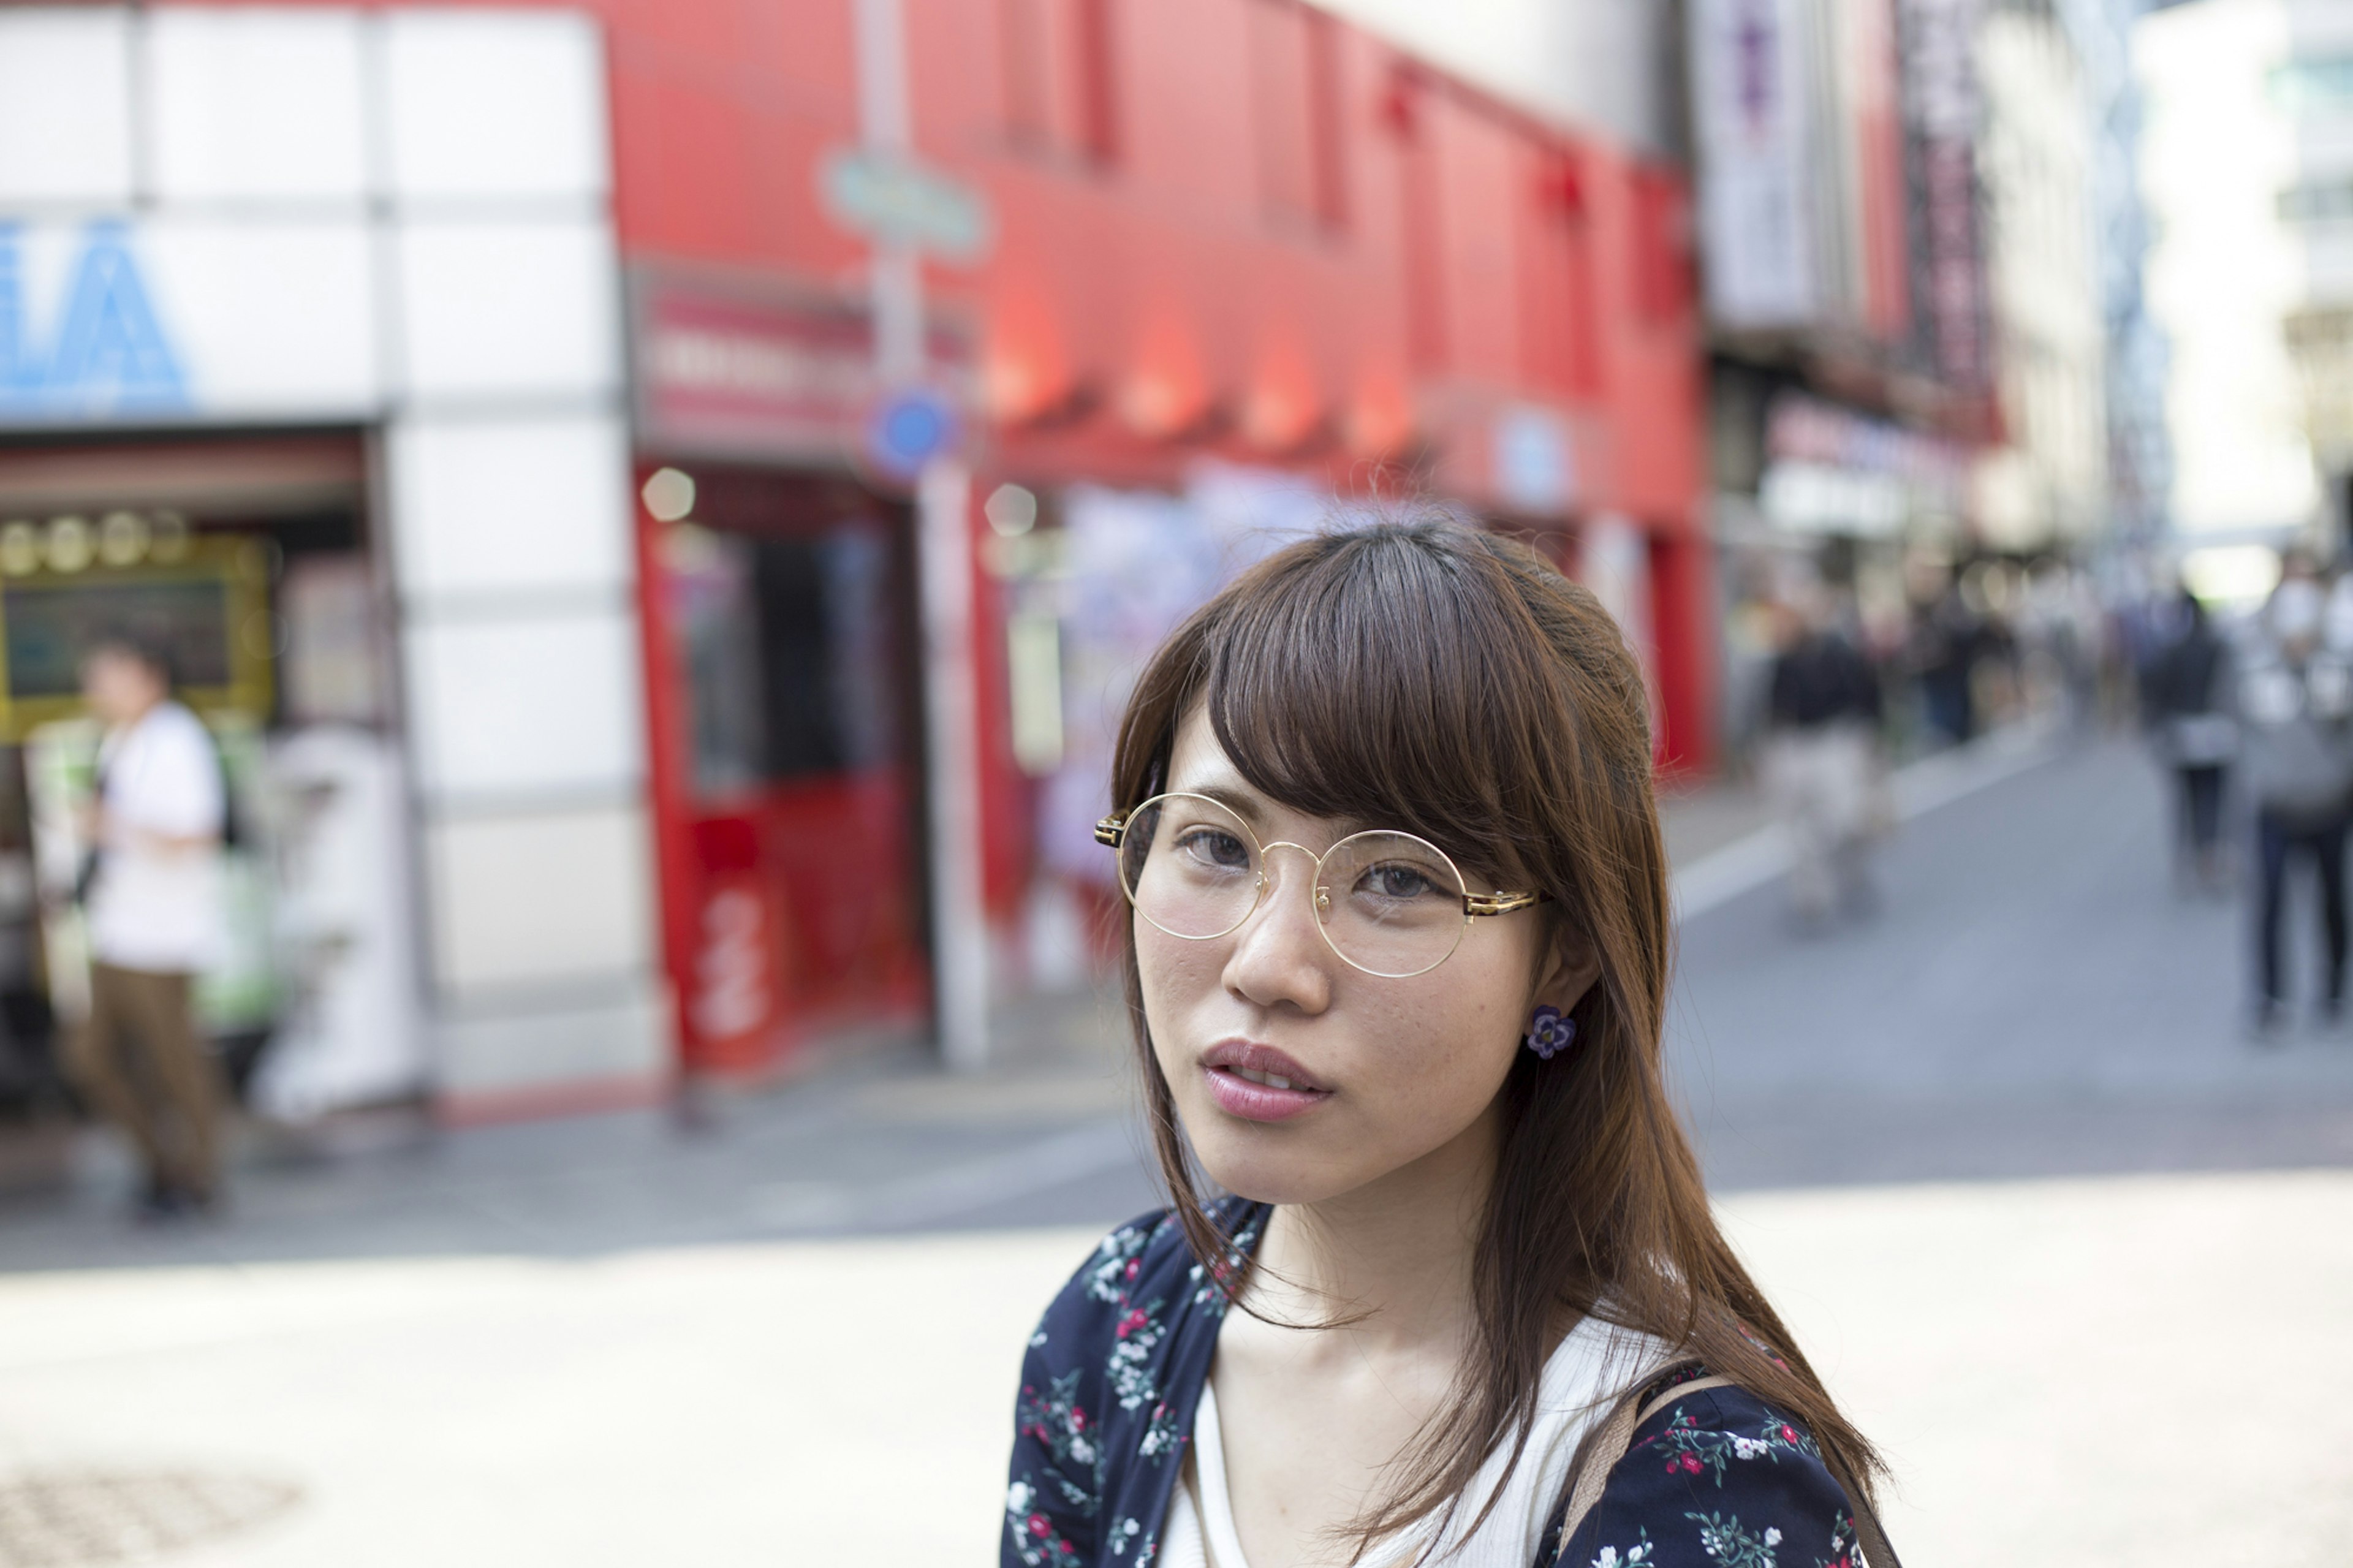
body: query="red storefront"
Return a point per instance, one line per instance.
(1233, 232)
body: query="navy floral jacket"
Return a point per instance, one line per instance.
(1116, 1368)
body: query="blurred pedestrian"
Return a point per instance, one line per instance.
(151, 898)
(1821, 761)
(1947, 639)
(2292, 697)
(1439, 1248)
(2184, 700)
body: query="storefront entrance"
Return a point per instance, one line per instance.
(249, 561)
(780, 616)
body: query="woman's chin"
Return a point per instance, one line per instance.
(1272, 1175)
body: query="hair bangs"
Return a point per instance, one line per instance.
(1359, 685)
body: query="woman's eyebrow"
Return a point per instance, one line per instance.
(1243, 803)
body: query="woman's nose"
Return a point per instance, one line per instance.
(1278, 955)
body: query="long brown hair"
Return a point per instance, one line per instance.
(1423, 673)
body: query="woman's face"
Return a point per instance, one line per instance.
(1384, 1072)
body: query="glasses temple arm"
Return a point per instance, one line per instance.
(1499, 903)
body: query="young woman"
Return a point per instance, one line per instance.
(1397, 959)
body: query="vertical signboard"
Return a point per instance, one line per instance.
(1748, 103)
(1942, 109)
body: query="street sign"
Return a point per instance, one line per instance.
(909, 428)
(892, 199)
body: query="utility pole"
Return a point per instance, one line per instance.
(943, 547)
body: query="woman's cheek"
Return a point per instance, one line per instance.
(1449, 1060)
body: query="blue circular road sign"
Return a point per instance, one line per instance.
(909, 428)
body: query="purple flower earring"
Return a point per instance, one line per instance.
(1549, 1033)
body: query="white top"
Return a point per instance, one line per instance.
(1592, 1366)
(153, 908)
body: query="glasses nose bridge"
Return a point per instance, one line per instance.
(1267, 882)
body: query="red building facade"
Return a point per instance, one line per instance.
(1237, 231)
(676, 736)
(1232, 233)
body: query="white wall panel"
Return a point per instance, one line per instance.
(488, 506)
(510, 309)
(269, 320)
(507, 1061)
(255, 104)
(525, 900)
(65, 105)
(522, 707)
(495, 105)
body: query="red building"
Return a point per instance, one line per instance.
(1236, 230)
(1221, 248)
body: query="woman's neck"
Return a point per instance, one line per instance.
(1394, 1256)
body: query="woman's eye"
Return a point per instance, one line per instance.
(1397, 882)
(1216, 848)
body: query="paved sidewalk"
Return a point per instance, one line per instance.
(2069, 1373)
(883, 1142)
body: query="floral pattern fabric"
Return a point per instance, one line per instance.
(1717, 1479)
(1115, 1371)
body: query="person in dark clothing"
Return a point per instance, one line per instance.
(1822, 679)
(1821, 762)
(1947, 639)
(2184, 694)
(2292, 697)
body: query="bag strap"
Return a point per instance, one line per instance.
(1599, 1456)
(1600, 1453)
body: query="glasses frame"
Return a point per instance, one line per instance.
(1112, 833)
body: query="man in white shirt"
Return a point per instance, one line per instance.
(153, 903)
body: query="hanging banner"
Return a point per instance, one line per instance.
(1756, 200)
(1942, 110)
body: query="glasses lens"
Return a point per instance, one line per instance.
(1189, 866)
(1392, 904)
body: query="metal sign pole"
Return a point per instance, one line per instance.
(944, 543)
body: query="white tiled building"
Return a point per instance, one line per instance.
(392, 227)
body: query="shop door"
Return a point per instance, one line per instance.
(784, 697)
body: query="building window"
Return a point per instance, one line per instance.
(2319, 86)
(1406, 109)
(1059, 93)
(1662, 240)
(1295, 96)
(1561, 336)
(2320, 201)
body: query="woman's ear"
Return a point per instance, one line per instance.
(1567, 971)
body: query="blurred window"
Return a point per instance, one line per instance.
(2323, 86)
(1059, 94)
(1411, 116)
(789, 648)
(1661, 237)
(1560, 336)
(2329, 201)
(1295, 113)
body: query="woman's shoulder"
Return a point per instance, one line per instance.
(1137, 1276)
(1107, 1391)
(1714, 1477)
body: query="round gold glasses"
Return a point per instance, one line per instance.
(1387, 903)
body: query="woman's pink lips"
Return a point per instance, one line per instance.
(1238, 1096)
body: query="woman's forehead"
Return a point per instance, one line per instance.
(1197, 765)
